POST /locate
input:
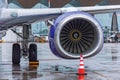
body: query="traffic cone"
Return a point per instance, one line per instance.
(81, 77)
(81, 70)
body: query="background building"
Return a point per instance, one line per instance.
(61, 3)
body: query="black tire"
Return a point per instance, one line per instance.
(16, 54)
(32, 52)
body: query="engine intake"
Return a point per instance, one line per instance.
(76, 33)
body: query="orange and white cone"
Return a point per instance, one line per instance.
(81, 70)
(81, 77)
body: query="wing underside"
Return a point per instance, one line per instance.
(18, 16)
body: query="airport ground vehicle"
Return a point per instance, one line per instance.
(113, 38)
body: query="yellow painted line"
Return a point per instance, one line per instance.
(34, 63)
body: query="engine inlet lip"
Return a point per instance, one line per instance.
(63, 22)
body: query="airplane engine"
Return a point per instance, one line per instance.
(75, 33)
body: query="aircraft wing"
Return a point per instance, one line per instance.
(17, 16)
(100, 9)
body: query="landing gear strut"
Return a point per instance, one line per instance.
(24, 43)
(18, 52)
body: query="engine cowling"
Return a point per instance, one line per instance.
(75, 33)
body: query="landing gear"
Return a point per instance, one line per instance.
(16, 54)
(33, 52)
(24, 51)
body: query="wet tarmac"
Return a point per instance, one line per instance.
(104, 66)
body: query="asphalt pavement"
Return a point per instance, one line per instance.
(104, 66)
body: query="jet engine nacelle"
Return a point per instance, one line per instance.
(75, 33)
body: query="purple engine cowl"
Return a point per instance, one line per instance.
(81, 24)
(52, 32)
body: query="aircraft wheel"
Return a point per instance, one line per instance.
(33, 52)
(16, 53)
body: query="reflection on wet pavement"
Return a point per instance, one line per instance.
(104, 66)
(114, 53)
(30, 73)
